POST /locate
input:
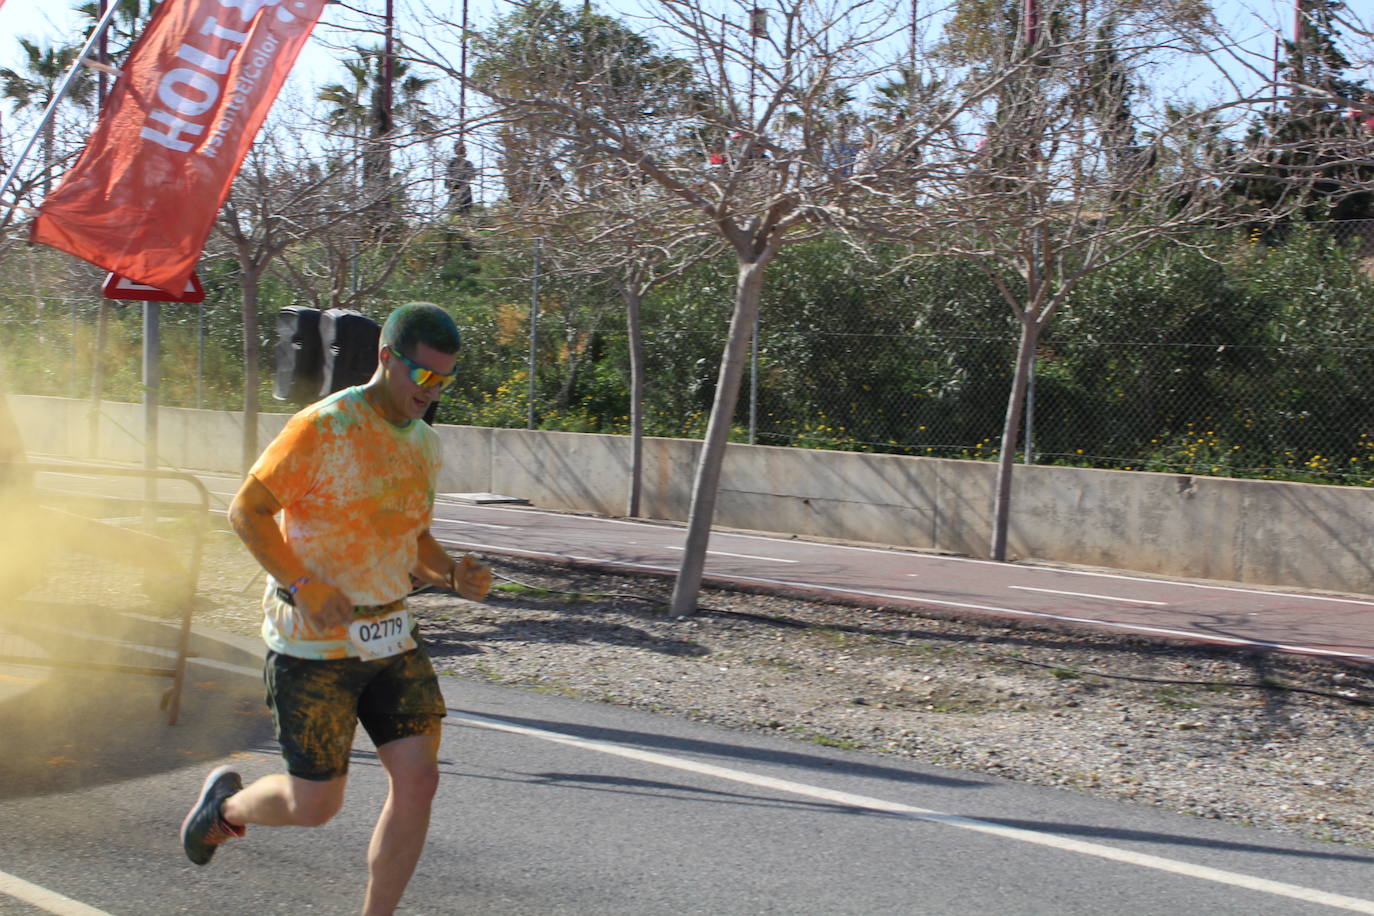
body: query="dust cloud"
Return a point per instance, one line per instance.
(93, 590)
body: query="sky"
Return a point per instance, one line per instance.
(45, 21)
(1252, 21)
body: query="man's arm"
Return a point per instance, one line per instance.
(252, 516)
(465, 576)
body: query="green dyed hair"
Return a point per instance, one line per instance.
(420, 323)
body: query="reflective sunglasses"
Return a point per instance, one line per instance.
(422, 375)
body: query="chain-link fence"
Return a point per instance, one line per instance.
(1244, 355)
(1251, 355)
(1255, 358)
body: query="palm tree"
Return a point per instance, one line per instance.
(359, 109)
(130, 18)
(128, 22)
(35, 88)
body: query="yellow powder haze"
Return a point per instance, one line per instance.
(92, 594)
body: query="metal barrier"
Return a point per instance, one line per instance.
(82, 516)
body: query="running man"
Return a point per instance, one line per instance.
(353, 477)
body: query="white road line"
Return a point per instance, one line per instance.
(1230, 589)
(714, 553)
(466, 524)
(1050, 840)
(923, 599)
(1055, 591)
(475, 545)
(739, 556)
(44, 899)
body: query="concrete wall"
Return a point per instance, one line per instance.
(1250, 531)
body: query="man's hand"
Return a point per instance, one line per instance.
(470, 579)
(323, 606)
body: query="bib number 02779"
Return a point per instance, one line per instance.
(382, 637)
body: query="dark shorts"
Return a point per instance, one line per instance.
(316, 706)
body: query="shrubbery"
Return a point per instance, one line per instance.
(1232, 356)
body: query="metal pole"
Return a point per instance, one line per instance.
(152, 371)
(388, 67)
(62, 88)
(1031, 25)
(534, 330)
(1030, 415)
(102, 55)
(754, 382)
(463, 77)
(200, 355)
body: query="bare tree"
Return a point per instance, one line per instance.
(289, 197)
(1070, 166)
(1037, 154)
(756, 149)
(635, 236)
(35, 86)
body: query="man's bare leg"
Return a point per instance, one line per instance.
(281, 800)
(224, 808)
(412, 766)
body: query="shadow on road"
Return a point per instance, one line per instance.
(735, 752)
(69, 723)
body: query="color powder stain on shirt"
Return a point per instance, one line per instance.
(356, 493)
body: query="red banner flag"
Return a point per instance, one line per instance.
(143, 196)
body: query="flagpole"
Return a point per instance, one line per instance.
(51, 110)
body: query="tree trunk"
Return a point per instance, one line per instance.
(636, 341)
(569, 386)
(249, 281)
(1016, 406)
(748, 289)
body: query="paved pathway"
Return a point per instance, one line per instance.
(1325, 625)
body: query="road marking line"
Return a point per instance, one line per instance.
(714, 553)
(1233, 589)
(466, 524)
(850, 799)
(1055, 591)
(1194, 635)
(603, 561)
(741, 556)
(44, 899)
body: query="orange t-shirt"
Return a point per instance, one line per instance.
(356, 493)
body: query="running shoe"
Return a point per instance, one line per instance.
(204, 827)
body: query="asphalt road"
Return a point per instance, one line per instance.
(551, 806)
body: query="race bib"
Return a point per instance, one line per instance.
(382, 637)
